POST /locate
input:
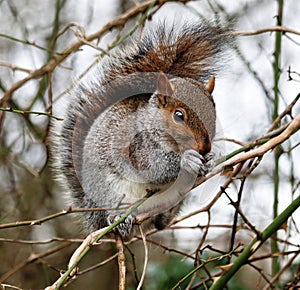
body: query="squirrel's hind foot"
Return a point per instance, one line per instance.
(125, 227)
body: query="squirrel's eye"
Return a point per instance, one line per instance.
(178, 116)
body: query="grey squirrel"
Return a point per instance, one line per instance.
(142, 120)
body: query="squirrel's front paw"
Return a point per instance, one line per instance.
(195, 163)
(191, 161)
(125, 227)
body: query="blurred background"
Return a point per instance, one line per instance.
(250, 92)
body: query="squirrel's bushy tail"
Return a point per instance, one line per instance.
(192, 50)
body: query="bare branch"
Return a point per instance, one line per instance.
(21, 112)
(260, 151)
(264, 30)
(121, 262)
(14, 67)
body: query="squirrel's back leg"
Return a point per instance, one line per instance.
(163, 219)
(98, 219)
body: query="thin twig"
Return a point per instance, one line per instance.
(238, 210)
(169, 249)
(121, 262)
(98, 265)
(52, 216)
(14, 67)
(230, 140)
(8, 286)
(198, 249)
(286, 111)
(146, 257)
(21, 112)
(136, 26)
(267, 29)
(27, 42)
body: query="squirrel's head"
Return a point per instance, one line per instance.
(188, 112)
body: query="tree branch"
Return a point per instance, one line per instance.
(255, 244)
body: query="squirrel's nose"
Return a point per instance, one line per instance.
(204, 147)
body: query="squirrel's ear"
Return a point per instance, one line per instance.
(210, 85)
(164, 86)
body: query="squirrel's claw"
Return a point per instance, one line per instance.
(208, 164)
